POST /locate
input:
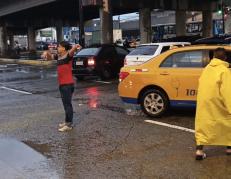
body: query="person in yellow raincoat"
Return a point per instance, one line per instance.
(213, 113)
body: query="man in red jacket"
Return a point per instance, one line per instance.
(65, 80)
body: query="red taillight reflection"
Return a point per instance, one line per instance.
(91, 61)
(123, 75)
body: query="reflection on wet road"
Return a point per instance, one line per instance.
(13, 72)
(17, 160)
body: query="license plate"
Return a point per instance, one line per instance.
(79, 63)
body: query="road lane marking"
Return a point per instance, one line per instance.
(105, 82)
(3, 66)
(170, 126)
(18, 91)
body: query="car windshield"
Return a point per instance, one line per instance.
(88, 51)
(144, 50)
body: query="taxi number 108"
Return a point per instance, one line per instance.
(191, 92)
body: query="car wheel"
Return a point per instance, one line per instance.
(80, 78)
(106, 73)
(154, 102)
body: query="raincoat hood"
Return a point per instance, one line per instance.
(216, 62)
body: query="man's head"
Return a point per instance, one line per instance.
(220, 53)
(63, 47)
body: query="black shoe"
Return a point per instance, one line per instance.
(201, 157)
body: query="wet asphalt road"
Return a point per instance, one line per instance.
(110, 139)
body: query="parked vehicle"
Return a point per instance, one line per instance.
(40, 45)
(191, 39)
(170, 79)
(221, 39)
(53, 46)
(101, 60)
(145, 52)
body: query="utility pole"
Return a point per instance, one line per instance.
(81, 25)
(119, 21)
(223, 16)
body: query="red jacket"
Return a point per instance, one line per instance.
(64, 70)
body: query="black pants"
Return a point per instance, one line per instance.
(66, 92)
(200, 147)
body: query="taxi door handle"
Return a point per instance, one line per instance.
(164, 73)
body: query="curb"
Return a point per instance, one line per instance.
(28, 62)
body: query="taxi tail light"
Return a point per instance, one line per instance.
(91, 61)
(123, 75)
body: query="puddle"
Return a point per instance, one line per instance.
(44, 149)
(94, 103)
(18, 160)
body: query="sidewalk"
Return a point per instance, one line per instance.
(38, 62)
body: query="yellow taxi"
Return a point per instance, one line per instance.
(170, 79)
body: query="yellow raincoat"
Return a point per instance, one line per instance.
(213, 114)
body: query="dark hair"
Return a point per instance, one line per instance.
(220, 53)
(65, 44)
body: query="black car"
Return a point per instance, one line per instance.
(40, 45)
(99, 60)
(181, 39)
(219, 39)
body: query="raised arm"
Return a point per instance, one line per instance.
(74, 49)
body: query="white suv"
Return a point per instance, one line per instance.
(145, 52)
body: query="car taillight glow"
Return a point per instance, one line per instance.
(91, 61)
(123, 75)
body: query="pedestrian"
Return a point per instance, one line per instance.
(213, 113)
(65, 80)
(17, 47)
(126, 43)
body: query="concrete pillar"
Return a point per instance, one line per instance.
(11, 40)
(207, 24)
(106, 22)
(3, 41)
(31, 38)
(228, 25)
(59, 33)
(180, 23)
(145, 26)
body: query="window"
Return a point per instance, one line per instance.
(164, 49)
(184, 60)
(121, 51)
(88, 51)
(144, 50)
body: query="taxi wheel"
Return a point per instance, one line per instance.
(154, 103)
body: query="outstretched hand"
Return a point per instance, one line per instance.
(46, 55)
(74, 49)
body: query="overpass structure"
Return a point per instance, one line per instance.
(25, 16)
